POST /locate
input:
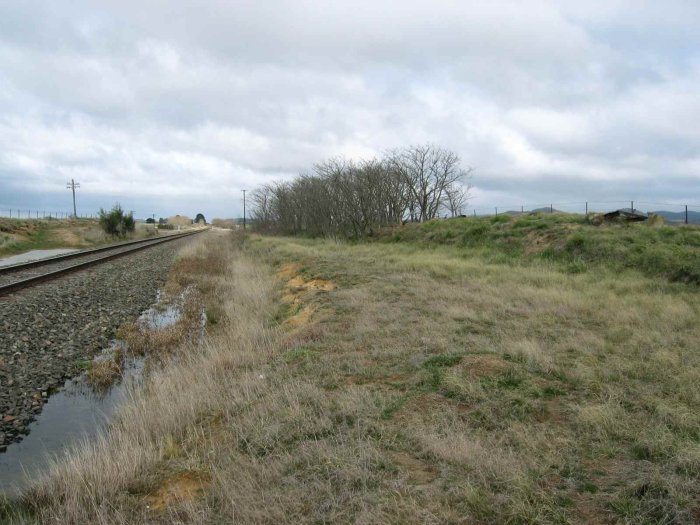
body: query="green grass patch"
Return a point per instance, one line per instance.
(569, 241)
(300, 353)
(435, 367)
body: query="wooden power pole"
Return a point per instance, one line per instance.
(71, 186)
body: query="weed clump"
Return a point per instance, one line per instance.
(102, 374)
(116, 222)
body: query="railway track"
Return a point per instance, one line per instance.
(18, 276)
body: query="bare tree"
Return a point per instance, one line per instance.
(458, 195)
(430, 173)
(263, 206)
(353, 199)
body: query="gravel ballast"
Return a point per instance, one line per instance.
(48, 331)
(12, 273)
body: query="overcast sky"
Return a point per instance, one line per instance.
(175, 106)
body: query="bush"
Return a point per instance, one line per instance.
(115, 222)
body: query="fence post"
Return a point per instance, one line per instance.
(586, 208)
(686, 214)
(496, 210)
(551, 208)
(474, 212)
(632, 206)
(522, 209)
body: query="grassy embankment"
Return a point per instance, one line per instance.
(22, 235)
(567, 240)
(522, 370)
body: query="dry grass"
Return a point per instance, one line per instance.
(112, 479)
(154, 342)
(103, 372)
(415, 386)
(17, 235)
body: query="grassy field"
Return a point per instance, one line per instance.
(21, 235)
(523, 374)
(568, 240)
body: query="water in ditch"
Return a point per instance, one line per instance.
(76, 412)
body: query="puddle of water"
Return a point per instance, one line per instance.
(164, 315)
(69, 416)
(160, 317)
(76, 412)
(33, 255)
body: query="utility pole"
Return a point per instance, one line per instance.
(244, 208)
(71, 186)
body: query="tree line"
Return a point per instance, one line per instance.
(352, 199)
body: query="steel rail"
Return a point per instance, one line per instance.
(18, 267)
(48, 276)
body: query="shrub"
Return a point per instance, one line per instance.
(115, 222)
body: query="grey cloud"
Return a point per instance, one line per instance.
(155, 102)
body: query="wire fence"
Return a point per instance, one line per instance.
(672, 212)
(43, 214)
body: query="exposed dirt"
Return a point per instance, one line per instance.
(287, 271)
(185, 486)
(419, 472)
(482, 365)
(537, 242)
(299, 284)
(298, 292)
(422, 407)
(300, 319)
